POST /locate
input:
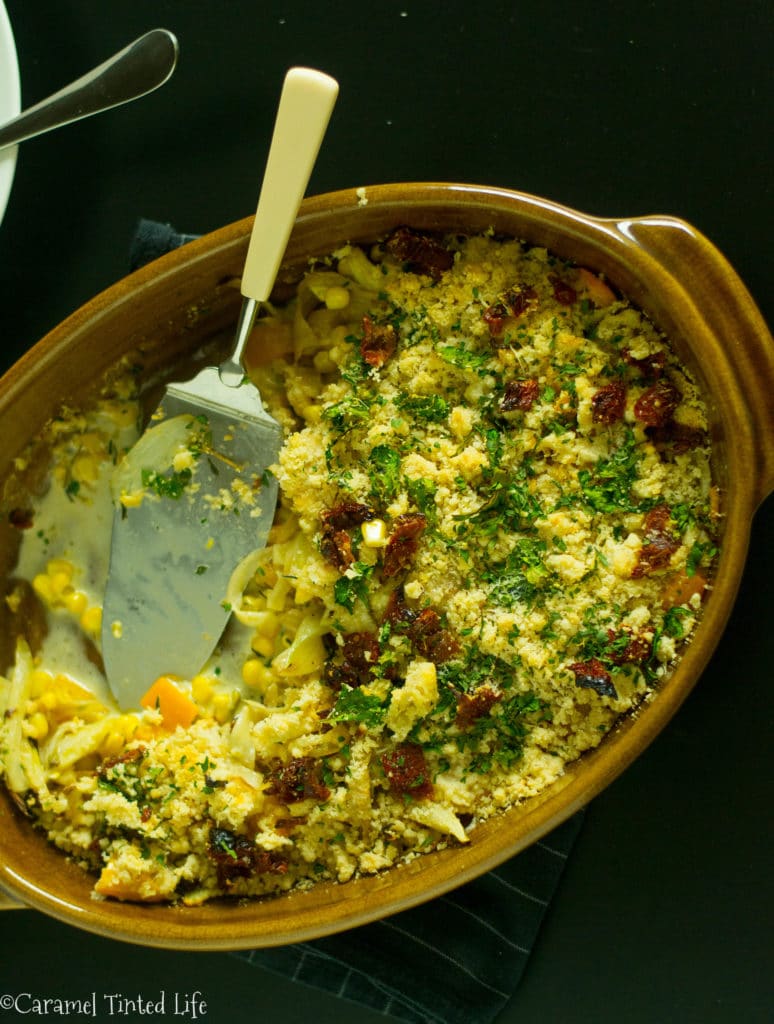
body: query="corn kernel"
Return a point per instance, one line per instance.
(255, 673)
(222, 704)
(36, 727)
(41, 584)
(40, 681)
(133, 500)
(85, 469)
(91, 620)
(60, 582)
(337, 297)
(128, 725)
(57, 565)
(262, 645)
(374, 533)
(201, 689)
(113, 742)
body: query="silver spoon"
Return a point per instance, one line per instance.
(138, 69)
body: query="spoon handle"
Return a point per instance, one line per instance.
(138, 69)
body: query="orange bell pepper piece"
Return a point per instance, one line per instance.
(176, 707)
(680, 588)
(594, 288)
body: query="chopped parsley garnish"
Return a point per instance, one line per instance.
(600, 636)
(608, 487)
(354, 705)
(384, 472)
(347, 589)
(421, 493)
(169, 486)
(426, 408)
(522, 577)
(347, 412)
(697, 555)
(462, 357)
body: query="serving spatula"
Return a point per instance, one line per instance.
(193, 498)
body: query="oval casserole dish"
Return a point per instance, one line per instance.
(176, 304)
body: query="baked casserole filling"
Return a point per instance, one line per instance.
(497, 525)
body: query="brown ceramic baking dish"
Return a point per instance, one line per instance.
(187, 298)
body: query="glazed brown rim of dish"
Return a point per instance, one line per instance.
(664, 265)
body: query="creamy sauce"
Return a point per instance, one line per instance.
(78, 529)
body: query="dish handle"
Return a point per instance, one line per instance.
(731, 314)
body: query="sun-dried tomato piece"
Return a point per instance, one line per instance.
(21, 518)
(660, 543)
(126, 757)
(347, 515)
(336, 543)
(651, 366)
(636, 651)
(403, 543)
(397, 612)
(514, 304)
(379, 342)
(472, 706)
(361, 651)
(407, 771)
(520, 300)
(593, 675)
(609, 403)
(520, 395)
(655, 555)
(657, 520)
(431, 640)
(422, 253)
(678, 437)
(336, 547)
(564, 293)
(359, 654)
(494, 317)
(299, 779)
(656, 406)
(235, 856)
(426, 623)
(425, 629)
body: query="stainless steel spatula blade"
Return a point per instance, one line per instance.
(193, 496)
(174, 553)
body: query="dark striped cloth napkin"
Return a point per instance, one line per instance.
(455, 960)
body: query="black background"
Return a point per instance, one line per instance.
(665, 912)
